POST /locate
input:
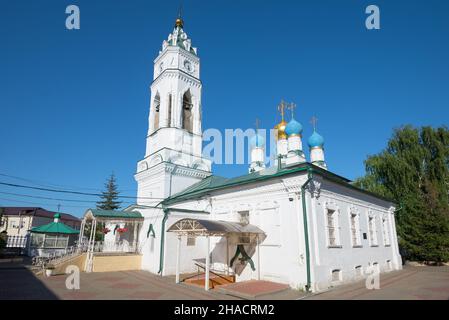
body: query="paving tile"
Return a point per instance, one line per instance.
(147, 295)
(122, 285)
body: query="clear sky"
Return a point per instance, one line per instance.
(74, 104)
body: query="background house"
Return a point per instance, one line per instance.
(17, 221)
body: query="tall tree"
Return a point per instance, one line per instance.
(413, 171)
(109, 198)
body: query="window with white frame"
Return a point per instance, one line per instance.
(332, 227)
(385, 230)
(244, 217)
(355, 229)
(372, 230)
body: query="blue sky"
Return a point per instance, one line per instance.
(74, 104)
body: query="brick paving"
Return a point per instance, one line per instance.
(252, 289)
(411, 283)
(17, 282)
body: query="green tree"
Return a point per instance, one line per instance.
(109, 198)
(413, 171)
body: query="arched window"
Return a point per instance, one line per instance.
(156, 109)
(187, 117)
(169, 110)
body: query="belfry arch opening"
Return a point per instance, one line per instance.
(187, 115)
(156, 110)
(169, 111)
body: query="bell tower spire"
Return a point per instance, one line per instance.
(174, 139)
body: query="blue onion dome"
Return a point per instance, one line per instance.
(293, 128)
(257, 141)
(316, 140)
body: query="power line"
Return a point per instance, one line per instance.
(51, 185)
(54, 199)
(39, 204)
(73, 192)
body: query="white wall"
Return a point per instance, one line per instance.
(346, 257)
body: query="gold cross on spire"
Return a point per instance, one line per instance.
(281, 108)
(314, 122)
(291, 106)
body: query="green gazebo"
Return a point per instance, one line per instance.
(52, 239)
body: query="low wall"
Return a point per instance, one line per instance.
(77, 261)
(108, 263)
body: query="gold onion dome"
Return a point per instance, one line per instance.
(280, 127)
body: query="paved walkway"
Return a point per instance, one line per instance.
(411, 283)
(418, 283)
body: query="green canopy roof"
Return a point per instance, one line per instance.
(115, 214)
(54, 227)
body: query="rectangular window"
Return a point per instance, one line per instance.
(336, 275)
(358, 271)
(332, 228)
(191, 240)
(372, 231)
(355, 230)
(385, 231)
(244, 217)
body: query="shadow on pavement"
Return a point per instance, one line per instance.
(19, 283)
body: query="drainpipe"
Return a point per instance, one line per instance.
(306, 229)
(161, 255)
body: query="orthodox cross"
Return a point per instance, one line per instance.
(257, 124)
(314, 121)
(292, 107)
(281, 108)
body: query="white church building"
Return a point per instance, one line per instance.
(295, 222)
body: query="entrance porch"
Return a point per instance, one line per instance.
(245, 238)
(119, 232)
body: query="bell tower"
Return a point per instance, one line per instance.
(173, 158)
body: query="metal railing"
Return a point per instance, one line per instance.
(16, 241)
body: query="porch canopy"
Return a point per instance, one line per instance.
(112, 215)
(195, 227)
(208, 228)
(111, 243)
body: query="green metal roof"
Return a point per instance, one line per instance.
(116, 214)
(54, 227)
(213, 183)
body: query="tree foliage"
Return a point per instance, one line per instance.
(413, 171)
(109, 198)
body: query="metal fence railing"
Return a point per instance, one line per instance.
(16, 242)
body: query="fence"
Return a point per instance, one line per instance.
(16, 242)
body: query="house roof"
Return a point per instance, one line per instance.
(54, 227)
(214, 183)
(115, 214)
(37, 212)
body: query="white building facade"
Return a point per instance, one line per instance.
(318, 229)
